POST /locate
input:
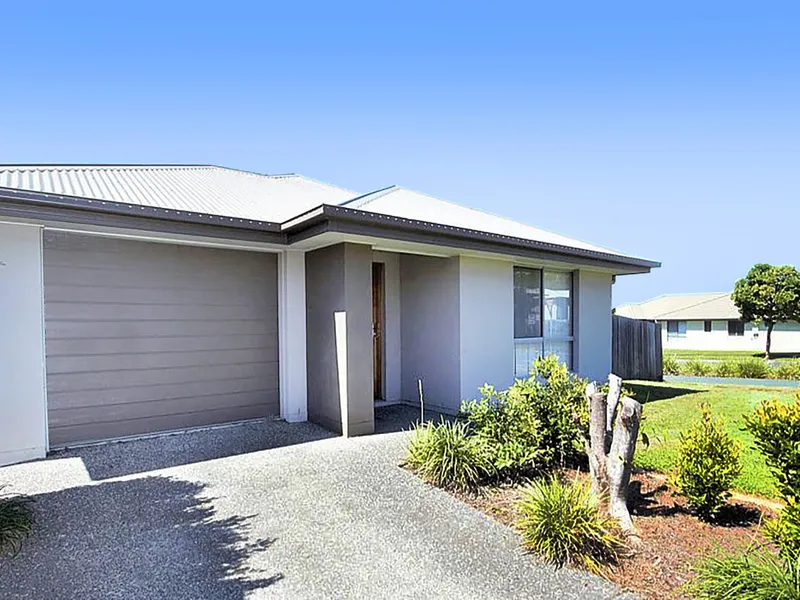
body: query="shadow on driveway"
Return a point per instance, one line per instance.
(153, 537)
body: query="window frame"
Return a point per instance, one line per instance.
(542, 339)
(738, 326)
(708, 326)
(677, 334)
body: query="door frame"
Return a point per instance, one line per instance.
(379, 330)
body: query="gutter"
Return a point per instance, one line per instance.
(337, 218)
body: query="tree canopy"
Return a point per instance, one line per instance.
(769, 294)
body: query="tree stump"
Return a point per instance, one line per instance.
(613, 432)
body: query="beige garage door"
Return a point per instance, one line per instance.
(144, 337)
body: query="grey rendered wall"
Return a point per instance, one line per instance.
(429, 289)
(339, 360)
(592, 305)
(144, 337)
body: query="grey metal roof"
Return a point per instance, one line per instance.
(193, 188)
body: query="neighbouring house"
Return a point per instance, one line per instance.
(148, 298)
(710, 322)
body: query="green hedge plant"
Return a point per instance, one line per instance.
(563, 523)
(776, 429)
(670, 365)
(447, 455)
(707, 465)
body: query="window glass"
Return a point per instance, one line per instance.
(736, 328)
(676, 329)
(707, 326)
(527, 303)
(542, 317)
(557, 304)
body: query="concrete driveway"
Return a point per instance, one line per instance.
(264, 510)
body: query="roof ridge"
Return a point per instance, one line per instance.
(365, 199)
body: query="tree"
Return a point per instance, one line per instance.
(769, 295)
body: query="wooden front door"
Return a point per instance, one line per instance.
(378, 319)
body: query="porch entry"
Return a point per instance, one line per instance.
(378, 327)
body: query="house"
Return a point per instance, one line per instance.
(149, 298)
(710, 322)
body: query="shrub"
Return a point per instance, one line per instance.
(786, 370)
(563, 523)
(446, 455)
(752, 368)
(696, 368)
(761, 576)
(534, 424)
(776, 429)
(726, 368)
(16, 520)
(507, 426)
(671, 366)
(707, 464)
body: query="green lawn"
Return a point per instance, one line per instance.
(722, 354)
(671, 408)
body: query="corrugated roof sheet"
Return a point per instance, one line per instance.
(683, 307)
(203, 189)
(213, 190)
(400, 202)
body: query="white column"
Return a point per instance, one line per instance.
(23, 425)
(292, 335)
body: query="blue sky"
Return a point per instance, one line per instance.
(671, 131)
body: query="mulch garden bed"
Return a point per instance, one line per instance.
(672, 539)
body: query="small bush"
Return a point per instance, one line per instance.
(446, 455)
(789, 369)
(707, 464)
(534, 424)
(761, 576)
(16, 521)
(671, 366)
(563, 524)
(752, 368)
(696, 368)
(776, 429)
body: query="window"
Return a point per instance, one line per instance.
(676, 329)
(736, 328)
(707, 326)
(542, 317)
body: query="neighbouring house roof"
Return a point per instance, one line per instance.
(277, 203)
(683, 307)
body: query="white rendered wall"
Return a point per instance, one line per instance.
(23, 425)
(486, 316)
(392, 359)
(292, 335)
(785, 337)
(592, 324)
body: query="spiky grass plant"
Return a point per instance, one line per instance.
(563, 523)
(759, 575)
(16, 520)
(448, 455)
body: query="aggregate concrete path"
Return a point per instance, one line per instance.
(263, 510)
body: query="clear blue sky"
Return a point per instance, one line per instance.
(670, 131)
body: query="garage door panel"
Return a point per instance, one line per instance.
(62, 435)
(189, 343)
(155, 360)
(135, 312)
(131, 410)
(103, 294)
(114, 329)
(142, 337)
(104, 380)
(191, 391)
